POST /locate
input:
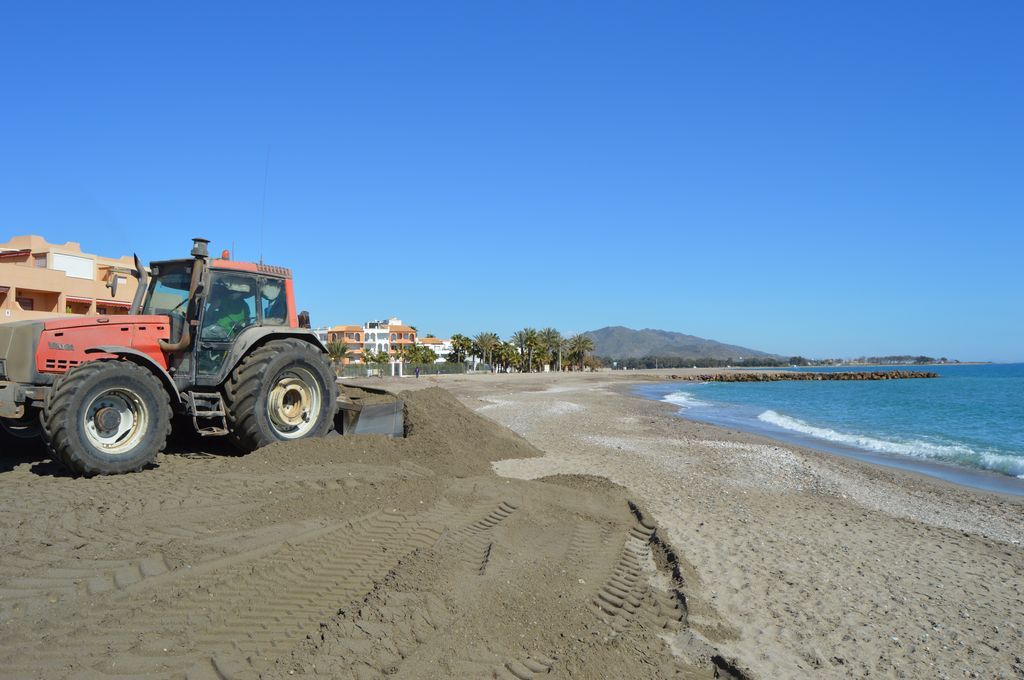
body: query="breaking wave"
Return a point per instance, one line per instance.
(951, 453)
(683, 400)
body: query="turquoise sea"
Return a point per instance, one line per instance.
(967, 426)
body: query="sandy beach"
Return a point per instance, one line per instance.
(799, 562)
(564, 529)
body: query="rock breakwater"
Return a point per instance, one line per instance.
(794, 375)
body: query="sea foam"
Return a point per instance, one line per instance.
(952, 453)
(683, 400)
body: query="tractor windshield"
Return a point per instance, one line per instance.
(168, 289)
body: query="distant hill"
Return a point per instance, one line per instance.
(619, 342)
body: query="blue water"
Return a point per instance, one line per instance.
(969, 419)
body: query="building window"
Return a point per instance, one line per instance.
(39, 261)
(27, 304)
(73, 306)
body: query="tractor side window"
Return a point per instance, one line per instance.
(230, 307)
(274, 303)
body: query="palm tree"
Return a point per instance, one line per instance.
(552, 341)
(579, 346)
(519, 338)
(563, 348)
(418, 354)
(528, 341)
(532, 342)
(541, 355)
(403, 353)
(492, 343)
(461, 347)
(424, 355)
(508, 356)
(379, 359)
(338, 351)
(485, 344)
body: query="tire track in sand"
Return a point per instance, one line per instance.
(476, 538)
(376, 635)
(256, 607)
(57, 586)
(627, 595)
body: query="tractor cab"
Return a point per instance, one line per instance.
(210, 305)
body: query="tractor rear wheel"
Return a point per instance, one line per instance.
(283, 390)
(106, 418)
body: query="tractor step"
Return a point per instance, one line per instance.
(207, 406)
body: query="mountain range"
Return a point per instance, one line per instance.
(619, 342)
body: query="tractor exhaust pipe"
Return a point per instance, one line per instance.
(143, 285)
(201, 253)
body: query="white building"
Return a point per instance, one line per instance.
(442, 348)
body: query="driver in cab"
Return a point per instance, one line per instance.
(227, 313)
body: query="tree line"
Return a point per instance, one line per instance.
(526, 350)
(414, 353)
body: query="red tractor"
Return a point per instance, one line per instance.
(217, 343)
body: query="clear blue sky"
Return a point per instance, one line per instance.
(815, 178)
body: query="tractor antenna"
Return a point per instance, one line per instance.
(263, 211)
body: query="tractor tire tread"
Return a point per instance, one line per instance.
(243, 388)
(59, 441)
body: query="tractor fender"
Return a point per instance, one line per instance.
(144, 360)
(254, 336)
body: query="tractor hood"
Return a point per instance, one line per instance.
(18, 342)
(32, 352)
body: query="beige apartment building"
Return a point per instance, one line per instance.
(40, 279)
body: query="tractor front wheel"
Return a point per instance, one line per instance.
(106, 418)
(282, 391)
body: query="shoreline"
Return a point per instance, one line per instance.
(468, 387)
(960, 476)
